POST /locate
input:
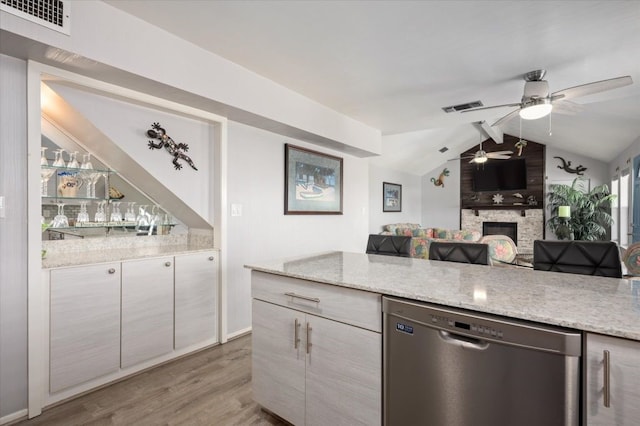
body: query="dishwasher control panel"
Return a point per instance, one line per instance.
(480, 330)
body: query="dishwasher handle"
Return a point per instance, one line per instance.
(465, 341)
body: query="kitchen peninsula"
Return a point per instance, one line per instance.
(336, 299)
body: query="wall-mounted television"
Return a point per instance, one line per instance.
(500, 175)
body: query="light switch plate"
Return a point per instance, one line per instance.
(236, 209)
(2, 209)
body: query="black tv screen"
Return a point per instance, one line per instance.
(500, 175)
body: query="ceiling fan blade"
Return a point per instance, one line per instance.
(499, 157)
(499, 153)
(506, 117)
(567, 107)
(595, 87)
(491, 107)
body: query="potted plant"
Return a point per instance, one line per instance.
(590, 211)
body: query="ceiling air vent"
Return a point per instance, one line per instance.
(462, 107)
(443, 149)
(54, 14)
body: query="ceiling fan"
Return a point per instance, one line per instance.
(482, 157)
(537, 102)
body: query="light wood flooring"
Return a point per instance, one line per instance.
(211, 387)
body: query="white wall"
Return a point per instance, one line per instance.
(13, 236)
(441, 205)
(256, 183)
(411, 198)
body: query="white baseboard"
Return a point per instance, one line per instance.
(238, 333)
(13, 416)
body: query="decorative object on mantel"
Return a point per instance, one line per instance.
(589, 211)
(440, 180)
(498, 199)
(176, 149)
(566, 166)
(520, 146)
(531, 200)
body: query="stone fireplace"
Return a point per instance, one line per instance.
(510, 229)
(529, 224)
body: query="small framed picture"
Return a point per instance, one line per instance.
(391, 197)
(313, 182)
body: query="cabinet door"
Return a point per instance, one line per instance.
(147, 309)
(84, 324)
(343, 374)
(195, 298)
(278, 361)
(624, 375)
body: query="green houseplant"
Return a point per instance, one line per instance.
(590, 210)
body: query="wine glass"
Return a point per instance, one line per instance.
(73, 162)
(59, 160)
(100, 215)
(83, 216)
(89, 176)
(116, 214)
(46, 173)
(60, 220)
(130, 215)
(43, 156)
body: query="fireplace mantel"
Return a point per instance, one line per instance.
(521, 207)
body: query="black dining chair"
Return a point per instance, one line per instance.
(601, 258)
(389, 245)
(475, 253)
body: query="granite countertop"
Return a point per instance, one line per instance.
(60, 260)
(607, 306)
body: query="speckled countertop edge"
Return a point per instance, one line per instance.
(606, 306)
(116, 255)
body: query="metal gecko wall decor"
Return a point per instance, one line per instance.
(566, 166)
(176, 149)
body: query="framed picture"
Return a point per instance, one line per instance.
(391, 197)
(312, 182)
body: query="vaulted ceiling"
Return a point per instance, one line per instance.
(394, 64)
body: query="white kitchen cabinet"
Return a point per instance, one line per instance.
(196, 288)
(612, 384)
(278, 378)
(147, 309)
(309, 368)
(84, 324)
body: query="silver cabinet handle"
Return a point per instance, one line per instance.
(309, 338)
(112, 270)
(607, 378)
(296, 333)
(167, 264)
(210, 257)
(298, 296)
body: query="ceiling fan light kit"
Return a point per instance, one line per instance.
(536, 108)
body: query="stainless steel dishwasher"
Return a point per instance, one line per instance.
(451, 367)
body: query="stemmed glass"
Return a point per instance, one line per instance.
(116, 215)
(130, 215)
(60, 220)
(91, 177)
(46, 173)
(59, 161)
(100, 214)
(83, 216)
(73, 162)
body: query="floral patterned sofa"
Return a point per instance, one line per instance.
(422, 237)
(502, 249)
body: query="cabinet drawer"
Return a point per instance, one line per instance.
(355, 307)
